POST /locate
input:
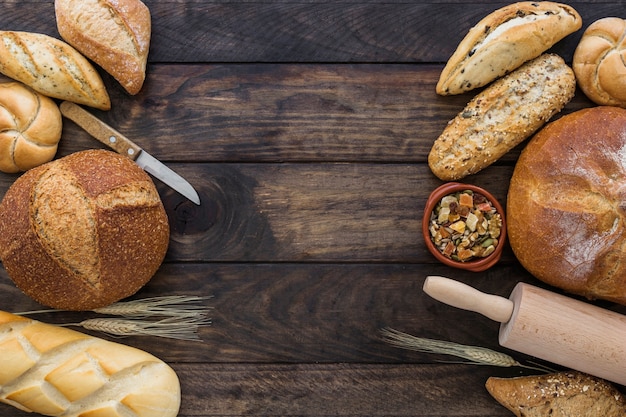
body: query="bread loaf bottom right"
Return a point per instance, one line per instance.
(566, 206)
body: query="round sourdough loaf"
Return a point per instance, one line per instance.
(30, 128)
(566, 206)
(598, 62)
(83, 231)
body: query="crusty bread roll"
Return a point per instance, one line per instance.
(56, 371)
(504, 40)
(599, 62)
(565, 208)
(502, 116)
(52, 68)
(83, 231)
(115, 34)
(30, 128)
(562, 394)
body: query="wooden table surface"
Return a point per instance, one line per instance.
(305, 127)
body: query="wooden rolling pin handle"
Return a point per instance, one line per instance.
(463, 296)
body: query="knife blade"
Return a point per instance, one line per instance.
(121, 144)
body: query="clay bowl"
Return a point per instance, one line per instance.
(475, 264)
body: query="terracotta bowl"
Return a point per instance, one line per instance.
(475, 264)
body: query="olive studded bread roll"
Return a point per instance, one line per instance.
(599, 62)
(502, 116)
(52, 68)
(504, 40)
(56, 371)
(83, 231)
(30, 128)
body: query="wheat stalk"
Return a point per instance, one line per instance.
(165, 306)
(474, 355)
(182, 328)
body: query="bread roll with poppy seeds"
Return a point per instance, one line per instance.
(83, 231)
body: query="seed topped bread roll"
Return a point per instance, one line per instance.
(504, 40)
(502, 116)
(566, 217)
(599, 62)
(30, 128)
(563, 394)
(83, 231)
(113, 34)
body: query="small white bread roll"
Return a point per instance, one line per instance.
(30, 128)
(56, 371)
(599, 62)
(52, 68)
(115, 34)
(504, 40)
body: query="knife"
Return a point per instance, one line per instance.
(121, 144)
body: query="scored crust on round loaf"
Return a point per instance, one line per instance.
(566, 218)
(598, 62)
(83, 231)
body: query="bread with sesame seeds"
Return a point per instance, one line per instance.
(504, 40)
(561, 394)
(502, 116)
(83, 231)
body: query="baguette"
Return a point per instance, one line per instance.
(52, 68)
(113, 34)
(502, 116)
(56, 371)
(503, 40)
(562, 394)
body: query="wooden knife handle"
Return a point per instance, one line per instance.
(100, 130)
(463, 296)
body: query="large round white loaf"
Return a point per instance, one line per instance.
(56, 371)
(566, 206)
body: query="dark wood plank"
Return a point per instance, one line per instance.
(278, 113)
(310, 31)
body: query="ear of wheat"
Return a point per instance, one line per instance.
(474, 355)
(182, 328)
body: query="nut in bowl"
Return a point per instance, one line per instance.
(464, 226)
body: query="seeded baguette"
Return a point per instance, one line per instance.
(56, 371)
(502, 116)
(503, 40)
(562, 394)
(52, 68)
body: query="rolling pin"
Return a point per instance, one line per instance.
(546, 325)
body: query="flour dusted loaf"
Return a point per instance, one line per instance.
(83, 231)
(562, 394)
(115, 34)
(599, 62)
(52, 68)
(566, 218)
(30, 128)
(504, 40)
(56, 371)
(501, 116)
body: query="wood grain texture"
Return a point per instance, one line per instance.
(305, 127)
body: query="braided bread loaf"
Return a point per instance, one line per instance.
(56, 371)
(30, 128)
